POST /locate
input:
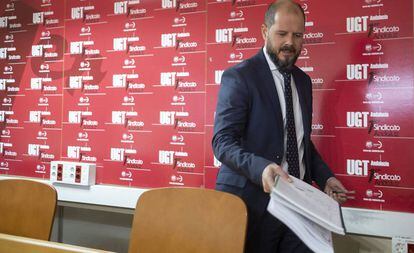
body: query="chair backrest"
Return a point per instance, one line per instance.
(27, 208)
(19, 244)
(188, 220)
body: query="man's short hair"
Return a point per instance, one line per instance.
(274, 7)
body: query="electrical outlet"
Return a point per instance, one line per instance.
(72, 173)
(401, 244)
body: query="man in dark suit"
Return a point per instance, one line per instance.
(263, 126)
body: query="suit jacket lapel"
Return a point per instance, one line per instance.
(265, 75)
(300, 86)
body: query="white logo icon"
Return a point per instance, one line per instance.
(373, 1)
(84, 64)
(41, 167)
(179, 98)
(42, 134)
(304, 51)
(86, 29)
(127, 174)
(83, 135)
(179, 59)
(177, 138)
(44, 67)
(129, 62)
(9, 37)
(238, 56)
(129, 99)
(45, 33)
(10, 6)
(43, 100)
(128, 137)
(130, 25)
(84, 99)
(370, 193)
(236, 14)
(305, 6)
(179, 20)
(370, 145)
(374, 96)
(178, 179)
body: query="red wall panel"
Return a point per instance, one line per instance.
(132, 86)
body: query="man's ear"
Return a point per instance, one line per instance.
(264, 31)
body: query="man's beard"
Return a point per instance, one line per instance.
(282, 65)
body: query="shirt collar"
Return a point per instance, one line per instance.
(272, 66)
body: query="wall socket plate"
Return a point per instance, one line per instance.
(74, 173)
(401, 244)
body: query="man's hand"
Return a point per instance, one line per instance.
(337, 191)
(269, 174)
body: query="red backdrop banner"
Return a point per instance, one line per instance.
(132, 86)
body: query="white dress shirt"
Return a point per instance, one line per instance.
(278, 79)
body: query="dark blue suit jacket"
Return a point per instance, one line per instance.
(248, 130)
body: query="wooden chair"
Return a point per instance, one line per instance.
(27, 208)
(19, 244)
(185, 220)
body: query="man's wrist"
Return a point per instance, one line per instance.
(330, 179)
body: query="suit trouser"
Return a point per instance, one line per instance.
(269, 235)
(265, 233)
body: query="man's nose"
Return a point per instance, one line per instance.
(289, 40)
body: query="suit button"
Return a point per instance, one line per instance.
(278, 156)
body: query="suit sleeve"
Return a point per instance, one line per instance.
(319, 169)
(231, 119)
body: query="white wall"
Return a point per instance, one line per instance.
(361, 244)
(109, 230)
(93, 228)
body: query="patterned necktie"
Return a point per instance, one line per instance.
(292, 156)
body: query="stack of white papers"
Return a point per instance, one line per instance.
(308, 212)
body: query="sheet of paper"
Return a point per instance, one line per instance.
(311, 201)
(317, 238)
